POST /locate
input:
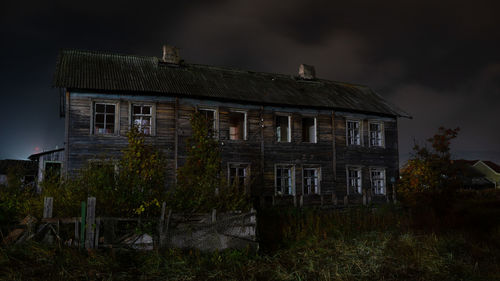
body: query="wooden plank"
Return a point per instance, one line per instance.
(47, 207)
(90, 223)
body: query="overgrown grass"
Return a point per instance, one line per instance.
(357, 244)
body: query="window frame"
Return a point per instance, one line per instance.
(93, 104)
(379, 169)
(152, 114)
(246, 168)
(382, 133)
(315, 128)
(51, 162)
(216, 118)
(245, 124)
(292, 189)
(360, 129)
(360, 171)
(317, 168)
(289, 131)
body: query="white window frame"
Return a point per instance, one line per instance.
(245, 132)
(289, 128)
(216, 118)
(291, 188)
(317, 168)
(93, 104)
(382, 134)
(153, 115)
(360, 171)
(384, 180)
(315, 128)
(360, 135)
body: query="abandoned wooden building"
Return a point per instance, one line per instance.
(291, 139)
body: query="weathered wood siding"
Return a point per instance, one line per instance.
(260, 150)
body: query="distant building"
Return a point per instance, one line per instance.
(478, 174)
(24, 169)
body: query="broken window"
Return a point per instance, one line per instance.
(104, 118)
(238, 175)
(284, 180)
(209, 115)
(311, 180)
(378, 181)
(375, 134)
(353, 180)
(353, 133)
(283, 132)
(142, 118)
(237, 126)
(52, 170)
(309, 130)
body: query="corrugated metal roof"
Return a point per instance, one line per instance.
(88, 70)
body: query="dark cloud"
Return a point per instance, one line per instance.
(438, 60)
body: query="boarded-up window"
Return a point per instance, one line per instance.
(375, 134)
(311, 180)
(104, 118)
(378, 181)
(283, 132)
(309, 130)
(284, 180)
(353, 180)
(142, 118)
(237, 128)
(353, 133)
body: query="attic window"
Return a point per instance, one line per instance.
(309, 130)
(237, 125)
(353, 132)
(209, 115)
(376, 136)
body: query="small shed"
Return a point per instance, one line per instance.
(49, 163)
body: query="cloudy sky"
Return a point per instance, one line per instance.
(438, 60)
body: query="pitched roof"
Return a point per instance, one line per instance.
(100, 71)
(492, 165)
(35, 156)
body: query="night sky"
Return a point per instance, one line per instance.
(437, 60)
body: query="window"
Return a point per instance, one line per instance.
(378, 181)
(353, 133)
(284, 180)
(311, 180)
(237, 126)
(142, 118)
(104, 118)
(238, 175)
(210, 116)
(353, 180)
(52, 170)
(309, 130)
(105, 168)
(376, 138)
(283, 132)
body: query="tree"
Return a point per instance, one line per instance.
(200, 186)
(431, 169)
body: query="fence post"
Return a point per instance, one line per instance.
(160, 225)
(82, 225)
(47, 207)
(214, 215)
(89, 239)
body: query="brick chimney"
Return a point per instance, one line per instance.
(171, 54)
(307, 72)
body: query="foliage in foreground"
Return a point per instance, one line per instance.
(359, 249)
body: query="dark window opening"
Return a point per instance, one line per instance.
(309, 130)
(236, 126)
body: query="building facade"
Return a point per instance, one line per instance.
(288, 139)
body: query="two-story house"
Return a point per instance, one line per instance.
(291, 139)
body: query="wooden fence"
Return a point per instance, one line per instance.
(209, 231)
